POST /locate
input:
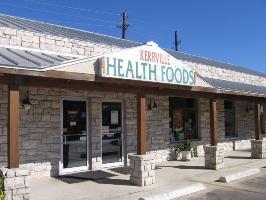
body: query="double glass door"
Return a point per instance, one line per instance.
(74, 136)
(112, 140)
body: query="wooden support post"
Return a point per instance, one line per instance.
(141, 125)
(258, 121)
(13, 125)
(213, 122)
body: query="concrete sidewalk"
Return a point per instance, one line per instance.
(169, 176)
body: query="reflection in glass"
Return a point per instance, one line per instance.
(74, 134)
(183, 119)
(111, 132)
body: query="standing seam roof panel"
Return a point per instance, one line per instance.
(30, 60)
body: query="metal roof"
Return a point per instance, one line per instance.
(210, 62)
(51, 29)
(26, 59)
(226, 86)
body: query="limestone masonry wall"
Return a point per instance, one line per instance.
(16, 183)
(226, 74)
(39, 133)
(3, 124)
(22, 38)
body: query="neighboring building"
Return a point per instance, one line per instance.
(74, 115)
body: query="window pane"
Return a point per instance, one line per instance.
(229, 119)
(183, 119)
(263, 120)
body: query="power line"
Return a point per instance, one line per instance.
(147, 37)
(123, 26)
(96, 11)
(149, 33)
(70, 7)
(135, 21)
(57, 13)
(78, 23)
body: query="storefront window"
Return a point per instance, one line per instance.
(263, 120)
(111, 132)
(229, 119)
(183, 119)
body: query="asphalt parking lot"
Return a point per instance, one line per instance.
(250, 188)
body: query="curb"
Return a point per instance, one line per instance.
(239, 175)
(176, 193)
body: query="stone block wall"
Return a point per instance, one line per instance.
(264, 120)
(27, 39)
(130, 122)
(16, 184)
(226, 74)
(203, 126)
(245, 123)
(214, 157)
(158, 127)
(245, 126)
(3, 124)
(40, 127)
(94, 105)
(258, 149)
(39, 133)
(142, 169)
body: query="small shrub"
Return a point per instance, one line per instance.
(2, 196)
(185, 146)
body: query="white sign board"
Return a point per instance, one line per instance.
(146, 63)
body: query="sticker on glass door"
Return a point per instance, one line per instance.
(111, 132)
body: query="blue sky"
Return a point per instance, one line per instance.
(233, 31)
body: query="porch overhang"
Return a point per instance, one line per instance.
(84, 74)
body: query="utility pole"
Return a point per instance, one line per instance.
(177, 42)
(124, 25)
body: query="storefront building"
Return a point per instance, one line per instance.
(72, 100)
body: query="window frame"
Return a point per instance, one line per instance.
(263, 120)
(235, 135)
(196, 105)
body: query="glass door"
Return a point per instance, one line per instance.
(74, 136)
(112, 141)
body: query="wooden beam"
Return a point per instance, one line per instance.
(13, 125)
(258, 121)
(141, 125)
(213, 121)
(122, 87)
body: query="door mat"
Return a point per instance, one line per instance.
(85, 176)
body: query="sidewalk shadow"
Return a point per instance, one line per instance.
(113, 181)
(121, 170)
(190, 167)
(180, 167)
(84, 176)
(238, 157)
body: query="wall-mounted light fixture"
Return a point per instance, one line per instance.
(26, 102)
(152, 104)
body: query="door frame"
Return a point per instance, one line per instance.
(122, 162)
(63, 170)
